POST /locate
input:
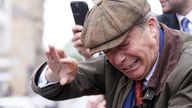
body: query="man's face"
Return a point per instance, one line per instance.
(172, 5)
(136, 55)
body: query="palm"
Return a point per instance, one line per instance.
(61, 65)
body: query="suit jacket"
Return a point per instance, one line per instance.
(172, 79)
(170, 20)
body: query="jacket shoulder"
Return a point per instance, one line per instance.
(180, 78)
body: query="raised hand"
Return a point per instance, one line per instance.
(61, 67)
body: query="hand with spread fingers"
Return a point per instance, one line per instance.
(61, 67)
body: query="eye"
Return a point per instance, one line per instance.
(106, 51)
(123, 46)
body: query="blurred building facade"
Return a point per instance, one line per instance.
(21, 50)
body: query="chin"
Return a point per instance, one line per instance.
(133, 77)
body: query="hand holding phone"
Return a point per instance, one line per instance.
(79, 10)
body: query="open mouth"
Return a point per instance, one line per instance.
(129, 67)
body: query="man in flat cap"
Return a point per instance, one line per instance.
(145, 63)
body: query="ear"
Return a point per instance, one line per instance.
(152, 23)
(152, 26)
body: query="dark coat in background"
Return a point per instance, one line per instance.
(170, 20)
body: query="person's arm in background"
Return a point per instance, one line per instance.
(97, 101)
(76, 40)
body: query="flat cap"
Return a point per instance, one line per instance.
(108, 22)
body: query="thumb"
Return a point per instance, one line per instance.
(63, 81)
(61, 53)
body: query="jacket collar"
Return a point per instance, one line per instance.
(168, 58)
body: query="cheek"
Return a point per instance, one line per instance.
(148, 61)
(136, 50)
(144, 54)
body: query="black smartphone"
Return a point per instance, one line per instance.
(79, 10)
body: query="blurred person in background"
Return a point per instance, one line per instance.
(138, 52)
(177, 14)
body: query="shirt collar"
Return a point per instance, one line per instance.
(151, 71)
(180, 17)
(188, 16)
(161, 44)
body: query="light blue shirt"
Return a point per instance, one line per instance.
(189, 17)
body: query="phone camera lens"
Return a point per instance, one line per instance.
(77, 5)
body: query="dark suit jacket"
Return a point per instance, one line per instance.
(170, 20)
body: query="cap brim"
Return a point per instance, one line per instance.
(110, 44)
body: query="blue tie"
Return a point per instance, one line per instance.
(184, 24)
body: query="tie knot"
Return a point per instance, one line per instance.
(184, 24)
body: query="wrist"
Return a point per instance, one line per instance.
(51, 76)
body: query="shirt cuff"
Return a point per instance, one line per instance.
(42, 81)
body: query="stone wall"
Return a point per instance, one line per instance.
(24, 44)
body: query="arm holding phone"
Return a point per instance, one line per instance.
(97, 101)
(79, 10)
(77, 42)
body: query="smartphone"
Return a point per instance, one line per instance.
(79, 10)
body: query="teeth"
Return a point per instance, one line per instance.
(131, 65)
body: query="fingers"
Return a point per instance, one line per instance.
(77, 44)
(68, 71)
(77, 41)
(65, 79)
(68, 62)
(82, 50)
(51, 53)
(77, 36)
(48, 54)
(62, 67)
(55, 54)
(61, 53)
(77, 28)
